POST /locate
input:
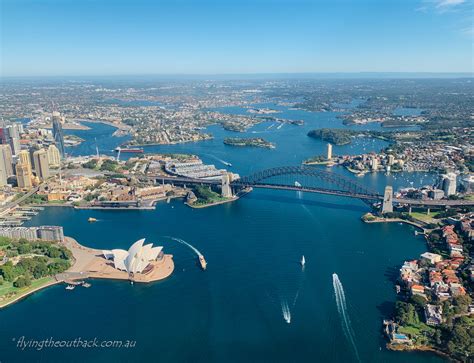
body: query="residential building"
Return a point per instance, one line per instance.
(433, 314)
(432, 258)
(449, 184)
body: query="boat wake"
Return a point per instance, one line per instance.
(187, 244)
(220, 160)
(285, 310)
(342, 310)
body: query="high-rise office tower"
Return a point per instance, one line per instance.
(6, 159)
(13, 132)
(6, 163)
(40, 160)
(3, 135)
(54, 158)
(23, 176)
(24, 158)
(58, 133)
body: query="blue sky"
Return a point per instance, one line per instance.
(101, 37)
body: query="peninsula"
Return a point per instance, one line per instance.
(29, 266)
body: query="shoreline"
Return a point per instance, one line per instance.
(421, 348)
(399, 220)
(27, 293)
(233, 199)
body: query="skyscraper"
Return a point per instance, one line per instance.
(24, 158)
(6, 163)
(58, 133)
(13, 132)
(23, 176)
(6, 158)
(40, 159)
(54, 158)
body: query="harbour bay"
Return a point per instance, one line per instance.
(253, 247)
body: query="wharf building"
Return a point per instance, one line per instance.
(43, 233)
(197, 170)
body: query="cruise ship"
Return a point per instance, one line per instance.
(129, 150)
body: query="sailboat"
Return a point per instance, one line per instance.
(303, 261)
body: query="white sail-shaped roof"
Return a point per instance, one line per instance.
(155, 251)
(131, 260)
(136, 259)
(119, 258)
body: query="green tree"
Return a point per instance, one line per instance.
(8, 272)
(40, 270)
(22, 281)
(461, 304)
(24, 248)
(53, 252)
(406, 313)
(418, 301)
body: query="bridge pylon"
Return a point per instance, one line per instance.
(387, 206)
(226, 190)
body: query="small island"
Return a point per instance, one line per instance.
(253, 141)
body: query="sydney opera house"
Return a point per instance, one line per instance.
(137, 260)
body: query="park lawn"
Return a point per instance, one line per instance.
(7, 288)
(424, 217)
(416, 331)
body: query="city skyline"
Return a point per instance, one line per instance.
(234, 37)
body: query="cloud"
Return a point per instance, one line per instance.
(448, 3)
(442, 6)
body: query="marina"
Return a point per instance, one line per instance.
(16, 216)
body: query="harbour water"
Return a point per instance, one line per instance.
(254, 302)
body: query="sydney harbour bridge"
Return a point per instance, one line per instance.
(312, 180)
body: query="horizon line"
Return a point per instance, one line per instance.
(380, 74)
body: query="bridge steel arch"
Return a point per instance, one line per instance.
(345, 185)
